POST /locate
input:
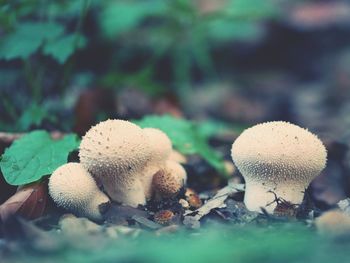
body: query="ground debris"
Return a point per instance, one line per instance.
(20, 232)
(344, 205)
(121, 215)
(192, 218)
(143, 221)
(236, 212)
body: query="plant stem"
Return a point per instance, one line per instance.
(70, 65)
(34, 85)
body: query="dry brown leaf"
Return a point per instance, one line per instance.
(28, 202)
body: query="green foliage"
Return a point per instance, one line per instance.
(64, 47)
(210, 128)
(35, 155)
(251, 9)
(179, 29)
(119, 17)
(28, 37)
(33, 115)
(185, 136)
(142, 80)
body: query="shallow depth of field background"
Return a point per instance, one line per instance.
(65, 65)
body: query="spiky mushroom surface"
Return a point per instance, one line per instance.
(160, 144)
(165, 184)
(116, 152)
(277, 159)
(161, 148)
(176, 170)
(74, 189)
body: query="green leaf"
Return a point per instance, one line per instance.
(185, 137)
(122, 16)
(210, 128)
(62, 48)
(34, 115)
(35, 155)
(222, 30)
(27, 38)
(251, 9)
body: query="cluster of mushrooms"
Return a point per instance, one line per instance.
(278, 160)
(128, 163)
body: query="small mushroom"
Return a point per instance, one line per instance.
(165, 184)
(160, 144)
(74, 189)
(177, 157)
(176, 170)
(334, 223)
(161, 148)
(278, 160)
(116, 152)
(160, 151)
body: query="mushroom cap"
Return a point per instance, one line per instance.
(114, 147)
(279, 151)
(177, 157)
(177, 170)
(166, 184)
(160, 144)
(74, 189)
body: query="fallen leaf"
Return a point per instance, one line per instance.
(146, 222)
(28, 202)
(120, 214)
(218, 201)
(236, 212)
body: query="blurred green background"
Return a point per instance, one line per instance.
(65, 65)
(52, 52)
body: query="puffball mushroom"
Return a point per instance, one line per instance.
(161, 148)
(74, 189)
(160, 144)
(166, 184)
(115, 152)
(277, 159)
(176, 170)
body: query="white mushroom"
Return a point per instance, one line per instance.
(74, 189)
(161, 148)
(277, 159)
(176, 170)
(177, 157)
(116, 153)
(161, 151)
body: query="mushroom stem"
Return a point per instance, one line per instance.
(267, 194)
(97, 201)
(147, 178)
(128, 190)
